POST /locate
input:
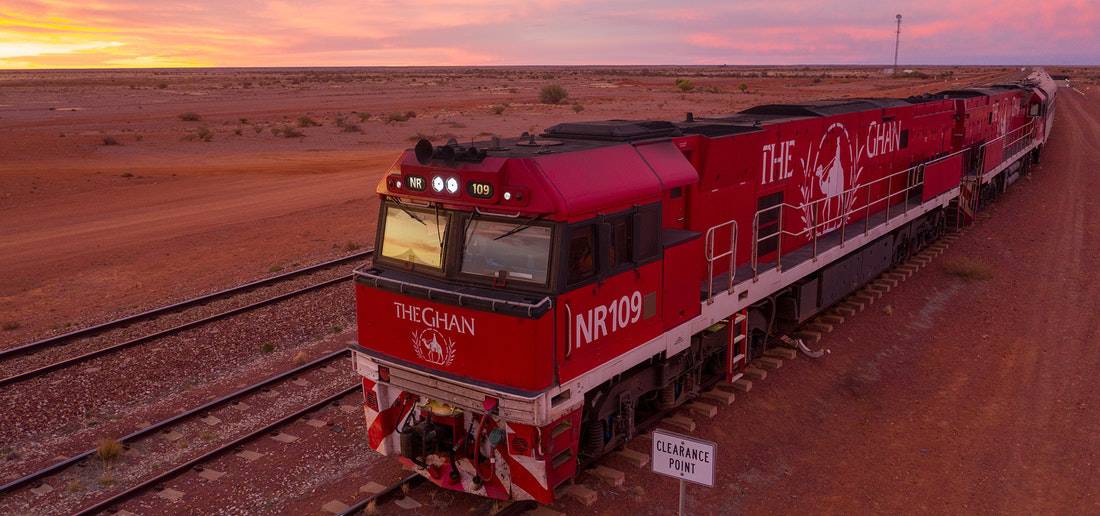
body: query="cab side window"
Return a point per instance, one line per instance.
(620, 242)
(582, 254)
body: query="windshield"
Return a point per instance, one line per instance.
(414, 235)
(520, 251)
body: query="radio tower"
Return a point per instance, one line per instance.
(897, 43)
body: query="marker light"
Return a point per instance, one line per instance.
(437, 184)
(398, 184)
(452, 185)
(507, 196)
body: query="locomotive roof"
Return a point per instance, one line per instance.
(825, 107)
(577, 136)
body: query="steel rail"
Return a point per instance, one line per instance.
(58, 466)
(166, 475)
(415, 479)
(97, 328)
(26, 375)
(412, 479)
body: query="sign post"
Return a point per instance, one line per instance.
(685, 458)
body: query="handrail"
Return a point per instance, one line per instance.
(1024, 132)
(711, 257)
(493, 302)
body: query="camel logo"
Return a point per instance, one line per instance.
(433, 347)
(832, 169)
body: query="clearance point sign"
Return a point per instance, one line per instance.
(683, 457)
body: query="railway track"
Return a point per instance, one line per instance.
(23, 356)
(165, 427)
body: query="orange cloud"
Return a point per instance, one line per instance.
(139, 33)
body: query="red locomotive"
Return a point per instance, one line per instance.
(534, 301)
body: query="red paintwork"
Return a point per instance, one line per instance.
(506, 351)
(701, 182)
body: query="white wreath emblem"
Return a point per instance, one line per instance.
(433, 347)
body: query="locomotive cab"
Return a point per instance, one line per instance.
(502, 276)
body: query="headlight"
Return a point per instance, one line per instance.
(452, 185)
(437, 184)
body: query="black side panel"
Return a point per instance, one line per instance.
(844, 277)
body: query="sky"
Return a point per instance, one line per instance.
(245, 33)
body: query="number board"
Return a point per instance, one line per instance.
(479, 189)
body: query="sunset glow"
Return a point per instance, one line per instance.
(132, 33)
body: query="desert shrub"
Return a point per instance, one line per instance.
(237, 132)
(203, 134)
(243, 121)
(577, 107)
(553, 94)
(397, 117)
(110, 140)
(968, 269)
(744, 88)
(287, 132)
(498, 109)
(352, 246)
(257, 129)
(108, 450)
(305, 121)
(126, 175)
(817, 80)
(162, 86)
(267, 347)
(684, 85)
(300, 358)
(10, 325)
(363, 117)
(352, 128)
(190, 117)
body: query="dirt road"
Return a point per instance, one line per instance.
(970, 397)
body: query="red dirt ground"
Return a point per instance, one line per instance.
(975, 397)
(92, 231)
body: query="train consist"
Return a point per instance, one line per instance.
(534, 301)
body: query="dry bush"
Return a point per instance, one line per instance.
(577, 107)
(968, 269)
(287, 132)
(498, 109)
(553, 94)
(203, 134)
(10, 326)
(744, 88)
(108, 450)
(352, 128)
(267, 347)
(397, 117)
(127, 175)
(353, 246)
(110, 140)
(684, 85)
(305, 121)
(237, 132)
(363, 117)
(190, 117)
(300, 358)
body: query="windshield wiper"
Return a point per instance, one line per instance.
(407, 212)
(519, 228)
